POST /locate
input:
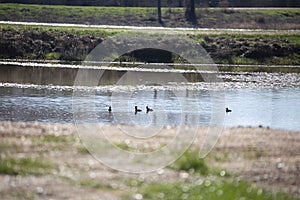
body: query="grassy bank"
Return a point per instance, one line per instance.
(207, 18)
(99, 32)
(224, 46)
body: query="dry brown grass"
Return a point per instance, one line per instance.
(270, 158)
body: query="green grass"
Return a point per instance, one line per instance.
(221, 157)
(282, 12)
(124, 147)
(70, 13)
(104, 32)
(289, 60)
(283, 37)
(95, 184)
(210, 190)
(25, 166)
(4, 147)
(25, 195)
(54, 139)
(242, 60)
(254, 42)
(260, 69)
(53, 56)
(77, 11)
(211, 186)
(148, 16)
(83, 150)
(191, 162)
(30, 56)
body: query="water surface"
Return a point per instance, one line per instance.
(191, 104)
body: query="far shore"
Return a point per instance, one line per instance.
(251, 47)
(245, 18)
(265, 157)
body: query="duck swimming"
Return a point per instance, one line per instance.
(148, 109)
(109, 109)
(137, 110)
(228, 110)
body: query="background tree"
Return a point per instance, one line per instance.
(179, 3)
(159, 11)
(190, 14)
(224, 3)
(214, 3)
(169, 4)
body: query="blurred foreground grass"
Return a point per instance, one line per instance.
(25, 166)
(48, 159)
(210, 190)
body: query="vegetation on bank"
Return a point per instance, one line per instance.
(257, 47)
(212, 184)
(25, 166)
(224, 47)
(99, 32)
(52, 43)
(254, 49)
(285, 18)
(209, 190)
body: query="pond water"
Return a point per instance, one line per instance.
(256, 99)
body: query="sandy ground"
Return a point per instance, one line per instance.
(269, 158)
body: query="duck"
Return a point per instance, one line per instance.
(148, 109)
(137, 110)
(228, 110)
(109, 109)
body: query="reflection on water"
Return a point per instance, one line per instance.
(19, 104)
(276, 108)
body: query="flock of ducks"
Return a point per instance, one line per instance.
(136, 109)
(227, 110)
(139, 110)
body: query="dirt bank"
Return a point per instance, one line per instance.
(46, 45)
(233, 49)
(269, 158)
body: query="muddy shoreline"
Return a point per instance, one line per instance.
(265, 157)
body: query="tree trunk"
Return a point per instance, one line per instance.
(159, 11)
(190, 14)
(179, 3)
